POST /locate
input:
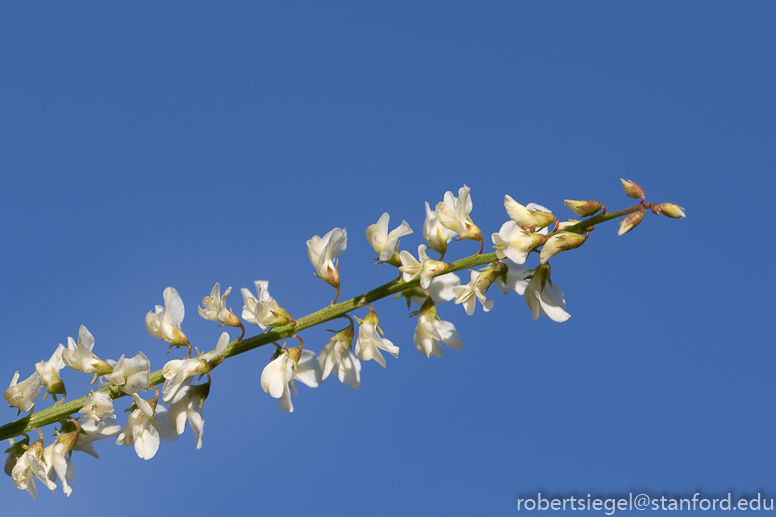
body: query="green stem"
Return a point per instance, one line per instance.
(54, 414)
(585, 225)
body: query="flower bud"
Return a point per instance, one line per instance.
(672, 210)
(561, 242)
(68, 438)
(632, 189)
(527, 219)
(583, 208)
(570, 222)
(630, 222)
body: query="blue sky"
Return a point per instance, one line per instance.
(145, 146)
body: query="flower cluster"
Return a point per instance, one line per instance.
(425, 281)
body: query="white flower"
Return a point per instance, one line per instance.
(426, 268)
(165, 322)
(55, 458)
(131, 374)
(411, 267)
(189, 408)
(469, 294)
(515, 243)
(513, 279)
(338, 357)
(267, 312)
(215, 307)
(278, 376)
(92, 431)
(383, 242)
(29, 466)
(453, 212)
(98, 406)
(440, 289)
(431, 331)
(178, 373)
(49, 373)
(80, 357)
(24, 394)
(143, 434)
(324, 251)
(435, 233)
(264, 310)
(544, 297)
(308, 373)
(370, 342)
(250, 301)
(442, 286)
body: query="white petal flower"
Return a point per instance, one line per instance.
(188, 409)
(513, 279)
(384, 243)
(250, 301)
(435, 233)
(278, 376)
(440, 288)
(411, 267)
(98, 406)
(92, 431)
(452, 212)
(144, 434)
(30, 466)
(165, 322)
(430, 331)
(23, 477)
(49, 373)
(324, 251)
(514, 243)
(338, 357)
(267, 312)
(469, 294)
(370, 342)
(131, 374)
(308, 372)
(544, 297)
(215, 307)
(426, 267)
(275, 376)
(24, 394)
(55, 458)
(178, 373)
(263, 310)
(80, 358)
